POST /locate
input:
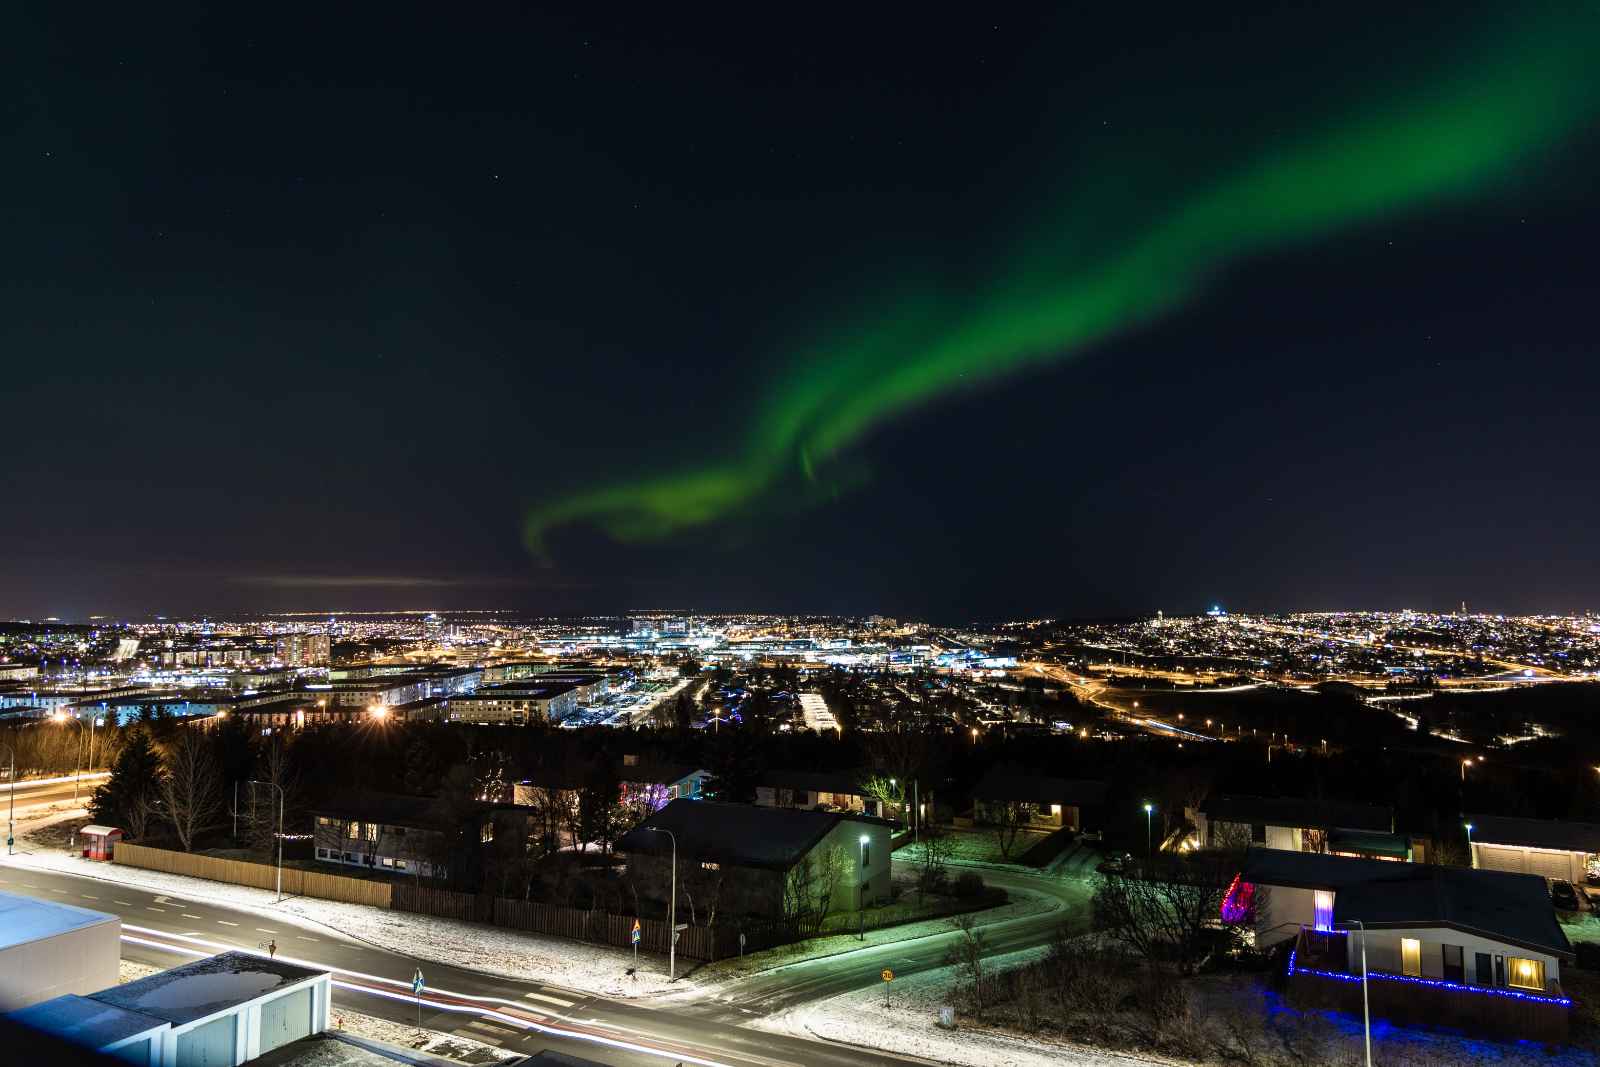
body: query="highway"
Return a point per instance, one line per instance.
(529, 1016)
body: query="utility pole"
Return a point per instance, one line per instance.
(1366, 1014)
(11, 819)
(672, 919)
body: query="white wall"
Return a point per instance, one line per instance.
(79, 961)
(847, 838)
(1287, 909)
(1383, 953)
(1556, 863)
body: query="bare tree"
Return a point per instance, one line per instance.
(191, 787)
(1008, 818)
(932, 874)
(888, 791)
(967, 952)
(1169, 911)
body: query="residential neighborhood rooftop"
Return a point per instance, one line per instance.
(738, 834)
(1298, 811)
(85, 1021)
(1562, 835)
(205, 987)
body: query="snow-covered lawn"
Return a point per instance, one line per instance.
(451, 1046)
(978, 848)
(1022, 904)
(490, 949)
(909, 1025)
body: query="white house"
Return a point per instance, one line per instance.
(1566, 851)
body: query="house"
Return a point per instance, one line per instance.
(49, 949)
(756, 857)
(392, 832)
(654, 785)
(1566, 851)
(1051, 803)
(219, 1011)
(830, 790)
(1296, 824)
(1477, 949)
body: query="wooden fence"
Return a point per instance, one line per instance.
(296, 882)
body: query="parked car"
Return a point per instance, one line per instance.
(1564, 896)
(1090, 837)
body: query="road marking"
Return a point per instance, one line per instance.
(53, 889)
(549, 1000)
(186, 915)
(302, 937)
(264, 930)
(86, 896)
(124, 903)
(30, 885)
(225, 922)
(149, 908)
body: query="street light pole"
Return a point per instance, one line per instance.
(1148, 848)
(1471, 862)
(11, 818)
(77, 773)
(1366, 1014)
(279, 788)
(672, 919)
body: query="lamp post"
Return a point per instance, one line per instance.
(1366, 1014)
(11, 818)
(279, 788)
(861, 893)
(1148, 849)
(672, 919)
(1471, 862)
(1464, 765)
(77, 773)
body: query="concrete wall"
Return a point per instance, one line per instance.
(79, 961)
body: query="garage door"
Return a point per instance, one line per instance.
(1550, 864)
(210, 1045)
(285, 1019)
(1500, 858)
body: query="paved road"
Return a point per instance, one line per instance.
(164, 930)
(789, 986)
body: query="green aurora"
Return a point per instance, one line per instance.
(1477, 124)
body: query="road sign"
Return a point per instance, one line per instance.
(888, 975)
(416, 982)
(636, 932)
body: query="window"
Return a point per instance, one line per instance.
(323, 820)
(486, 833)
(387, 862)
(1324, 911)
(1482, 969)
(354, 831)
(1411, 957)
(1525, 974)
(372, 831)
(707, 865)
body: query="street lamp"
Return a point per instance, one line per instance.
(1464, 765)
(672, 919)
(11, 819)
(1366, 1014)
(1148, 809)
(61, 716)
(1470, 861)
(279, 788)
(861, 893)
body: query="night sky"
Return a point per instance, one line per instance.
(945, 316)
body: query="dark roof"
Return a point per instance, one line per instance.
(656, 773)
(741, 835)
(1369, 841)
(1535, 833)
(196, 990)
(848, 782)
(84, 1021)
(1001, 784)
(1298, 811)
(1514, 908)
(393, 809)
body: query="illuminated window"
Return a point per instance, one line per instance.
(1324, 910)
(371, 831)
(1525, 974)
(707, 865)
(1411, 957)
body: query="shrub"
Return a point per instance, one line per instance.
(967, 885)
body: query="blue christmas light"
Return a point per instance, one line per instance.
(1432, 983)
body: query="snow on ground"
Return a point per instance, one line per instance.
(129, 971)
(490, 949)
(909, 1025)
(451, 1046)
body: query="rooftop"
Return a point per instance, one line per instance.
(739, 834)
(85, 1021)
(1298, 811)
(205, 987)
(24, 919)
(1514, 908)
(1535, 833)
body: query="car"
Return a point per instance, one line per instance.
(1564, 896)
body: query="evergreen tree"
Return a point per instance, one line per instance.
(132, 794)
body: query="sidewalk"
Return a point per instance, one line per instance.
(574, 965)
